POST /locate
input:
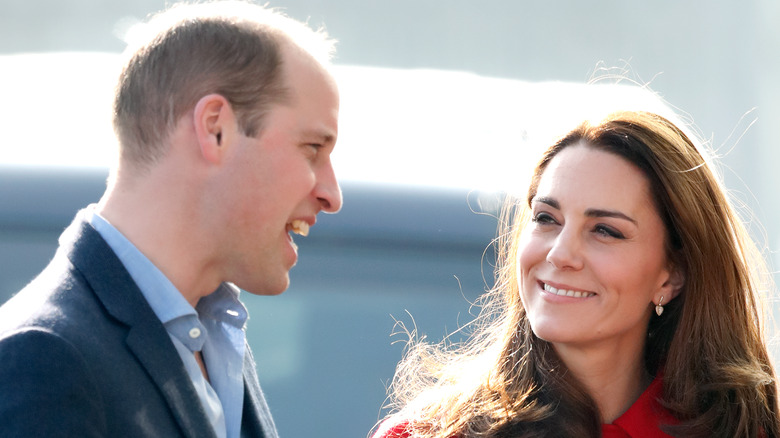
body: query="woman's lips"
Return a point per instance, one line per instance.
(566, 292)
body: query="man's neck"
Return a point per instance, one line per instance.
(163, 224)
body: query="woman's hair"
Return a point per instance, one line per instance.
(717, 377)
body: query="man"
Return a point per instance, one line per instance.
(226, 117)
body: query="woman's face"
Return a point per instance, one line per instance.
(592, 259)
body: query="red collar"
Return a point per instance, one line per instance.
(644, 418)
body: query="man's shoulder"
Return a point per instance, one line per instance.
(59, 296)
(64, 293)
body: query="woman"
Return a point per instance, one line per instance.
(626, 305)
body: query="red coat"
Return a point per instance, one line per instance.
(641, 420)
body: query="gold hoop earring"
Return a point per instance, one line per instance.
(659, 309)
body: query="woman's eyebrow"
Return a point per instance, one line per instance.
(591, 212)
(594, 212)
(547, 200)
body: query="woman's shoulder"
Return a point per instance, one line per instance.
(392, 428)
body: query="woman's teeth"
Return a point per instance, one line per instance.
(300, 227)
(567, 293)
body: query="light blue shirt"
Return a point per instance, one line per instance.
(216, 328)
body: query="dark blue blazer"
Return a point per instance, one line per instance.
(83, 355)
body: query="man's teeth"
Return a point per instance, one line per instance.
(300, 227)
(567, 293)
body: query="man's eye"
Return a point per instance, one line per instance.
(312, 149)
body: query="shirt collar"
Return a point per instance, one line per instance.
(165, 300)
(223, 305)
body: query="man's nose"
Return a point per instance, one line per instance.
(327, 190)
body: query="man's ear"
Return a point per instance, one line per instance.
(215, 124)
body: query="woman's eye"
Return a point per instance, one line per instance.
(608, 232)
(544, 218)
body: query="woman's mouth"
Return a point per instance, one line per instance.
(566, 292)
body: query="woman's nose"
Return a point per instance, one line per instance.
(566, 251)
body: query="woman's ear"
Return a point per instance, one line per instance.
(214, 122)
(673, 284)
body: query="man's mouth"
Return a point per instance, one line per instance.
(299, 227)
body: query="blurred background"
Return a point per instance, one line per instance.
(444, 106)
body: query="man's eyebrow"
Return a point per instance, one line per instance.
(324, 137)
(594, 212)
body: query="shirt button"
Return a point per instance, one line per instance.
(194, 332)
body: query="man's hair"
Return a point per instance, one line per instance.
(231, 48)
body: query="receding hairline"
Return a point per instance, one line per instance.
(143, 141)
(316, 42)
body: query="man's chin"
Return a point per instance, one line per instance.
(268, 288)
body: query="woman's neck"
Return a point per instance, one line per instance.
(612, 376)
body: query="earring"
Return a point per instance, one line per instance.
(659, 309)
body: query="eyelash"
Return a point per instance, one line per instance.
(609, 232)
(544, 218)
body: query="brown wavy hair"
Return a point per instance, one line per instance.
(718, 380)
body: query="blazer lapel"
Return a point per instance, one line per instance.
(159, 357)
(256, 418)
(147, 337)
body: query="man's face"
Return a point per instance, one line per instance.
(281, 180)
